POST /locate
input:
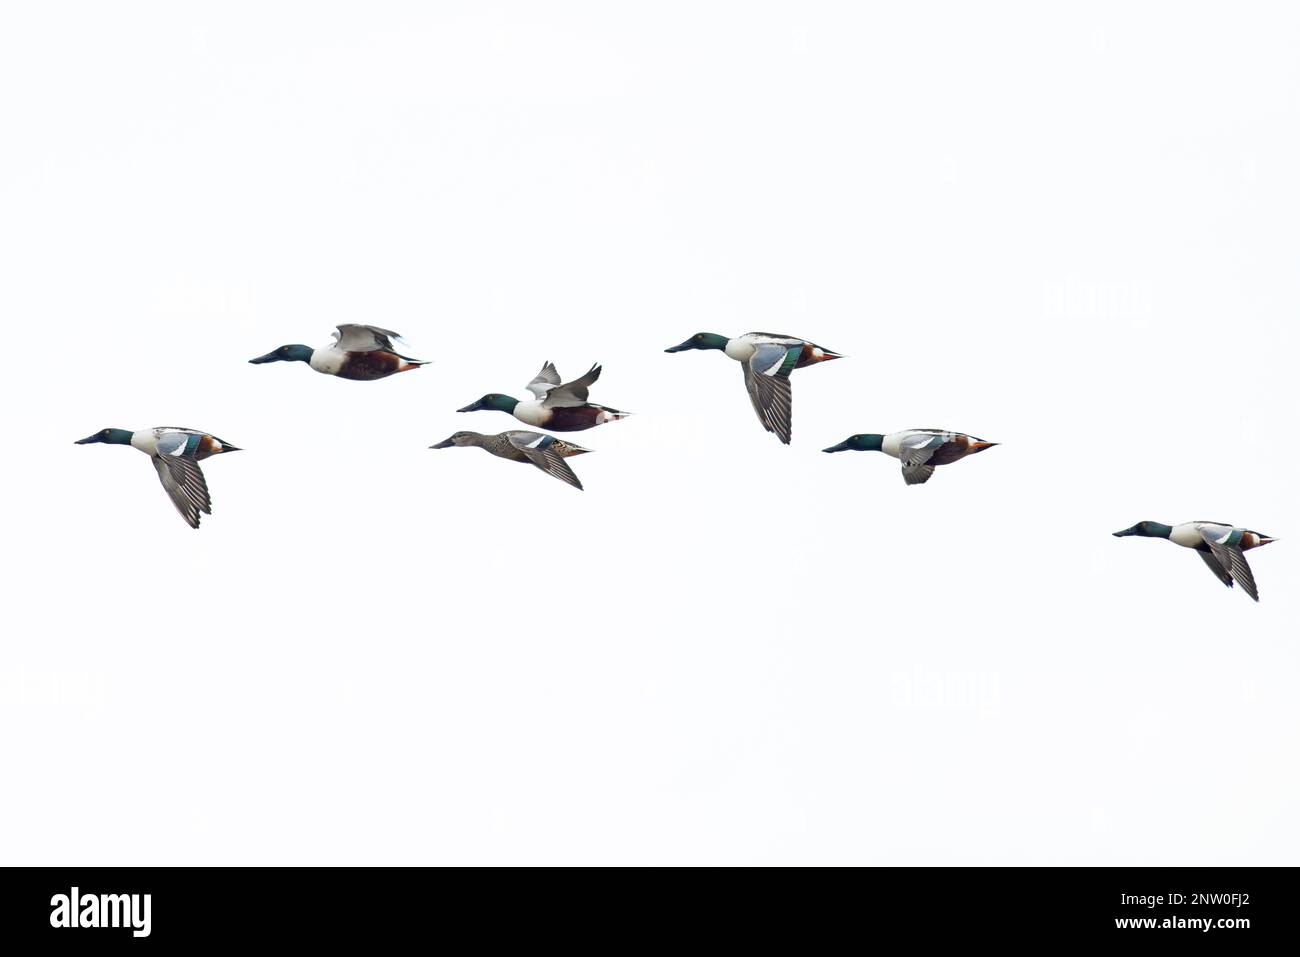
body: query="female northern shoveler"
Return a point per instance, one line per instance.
(768, 360)
(1219, 544)
(358, 352)
(176, 454)
(919, 450)
(544, 451)
(558, 407)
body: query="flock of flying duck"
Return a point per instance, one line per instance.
(365, 352)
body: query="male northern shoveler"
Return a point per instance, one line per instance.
(357, 352)
(768, 360)
(558, 407)
(919, 450)
(1219, 544)
(545, 451)
(176, 454)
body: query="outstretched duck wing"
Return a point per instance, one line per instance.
(352, 337)
(544, 381)
(542, 451)
(767, 380)
(572, 393)
(915, 453)
(1212, 563)
(184, 482)
(1227, 552)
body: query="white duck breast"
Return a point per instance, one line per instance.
(1187, 535)
(146, 440)
(327, 359)
(533, 413)
(739, 349)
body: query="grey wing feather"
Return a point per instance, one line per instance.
(183, 480)
(917, 474)
(1232, 558)
(1213, 565)
(173, 443)
(354, 337)
(572, 393)
(767, 380)
(545, 458)
(544, 381)
(914, 458)
(917, 449)
(523, 440)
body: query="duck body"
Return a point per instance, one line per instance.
(175, 453)
(359, 366)
(565, 418)
(546, 452)
(1221, 546)
(767, 359)
(557, 406)
(178, 441)
(743, 348)
(919, 451)
(1195, 535)
(359, 352)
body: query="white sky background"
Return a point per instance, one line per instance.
(1073, 232)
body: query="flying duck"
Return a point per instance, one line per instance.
(357, 352)
(544, 451)
(1220, 545)
(558, 407)
(919, 450)
(176, 454)
(767, 360)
